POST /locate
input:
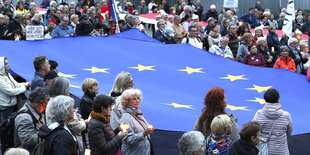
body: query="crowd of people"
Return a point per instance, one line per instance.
(114, 123)
(226, 34)
(54, 121)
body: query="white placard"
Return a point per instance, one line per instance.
(34, 32)
(230, 4)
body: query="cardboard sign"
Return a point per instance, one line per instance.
(230, 4)
(34, 32)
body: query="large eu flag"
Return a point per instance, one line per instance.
(173, 78)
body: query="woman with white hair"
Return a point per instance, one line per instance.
(262, 49)
(59, 137)
(122, 82)
(191, 143)
(36, 20)
(137, 141)
(61, 86)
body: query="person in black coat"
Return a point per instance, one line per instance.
(131, 21)
(159, 33)
(84, 28)
(58, 135)
(103, 140)
(249, 138)
(90, 89)
(15, 24)
(212, 13)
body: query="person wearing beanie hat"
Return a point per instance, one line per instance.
(102, 139)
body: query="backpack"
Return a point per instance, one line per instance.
(7, 129)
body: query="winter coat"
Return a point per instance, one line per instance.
(217, 50)
(37, 81)
(306, 27)
(209, 14)
(25, 132)
(135, 143)
(59, 139)
(277, 143)
(9, 88)
(83, 29)
(246, 19)
(116, 113)
(242, 51)
(298, 59)
(273, 41)
(86, 104)
(242, 147)
(285, 62)
(102, 138)
(254, 60)
(265, 54)
(234, 136)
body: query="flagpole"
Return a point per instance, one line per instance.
(116, 18)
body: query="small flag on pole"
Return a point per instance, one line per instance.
(113, 13)
(289, 18)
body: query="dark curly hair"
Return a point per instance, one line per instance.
(213, 101)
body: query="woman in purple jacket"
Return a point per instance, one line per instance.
(271, 113)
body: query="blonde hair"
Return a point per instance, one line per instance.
(16, 151)
(121, 79)
(128, 95)
(88, 84)
(246, 36)
(260, 40)
(219, 124)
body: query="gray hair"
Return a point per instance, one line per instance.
(159, 21)
(284, 47)
(35, 17)
(187, 7)
(58, 108)
(53, 2)
(291, 40)
(38, 94)
(300, 16)
(190, 142)
(121, 79)
(130, 17)
(224, 38)
(74, 16)
(260, 40)
(59, 86)
(18, 15)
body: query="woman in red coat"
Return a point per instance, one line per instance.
(285, 61)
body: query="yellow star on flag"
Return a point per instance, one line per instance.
(175, 105)
(234, 78)
(66, 75)
(259, 100)
(192, 70)
(142, 68)
(236, 108)
(96, 70)
(74, 86)
(259, 89)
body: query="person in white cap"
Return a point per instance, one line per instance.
(212, 13)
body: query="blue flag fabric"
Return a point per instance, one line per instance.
(173, 78)
(112, 10)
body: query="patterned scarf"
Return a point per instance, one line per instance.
(218, 144)
(100, 117)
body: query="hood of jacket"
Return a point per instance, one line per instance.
(2, 67)
(272, 110)
(47, 129)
